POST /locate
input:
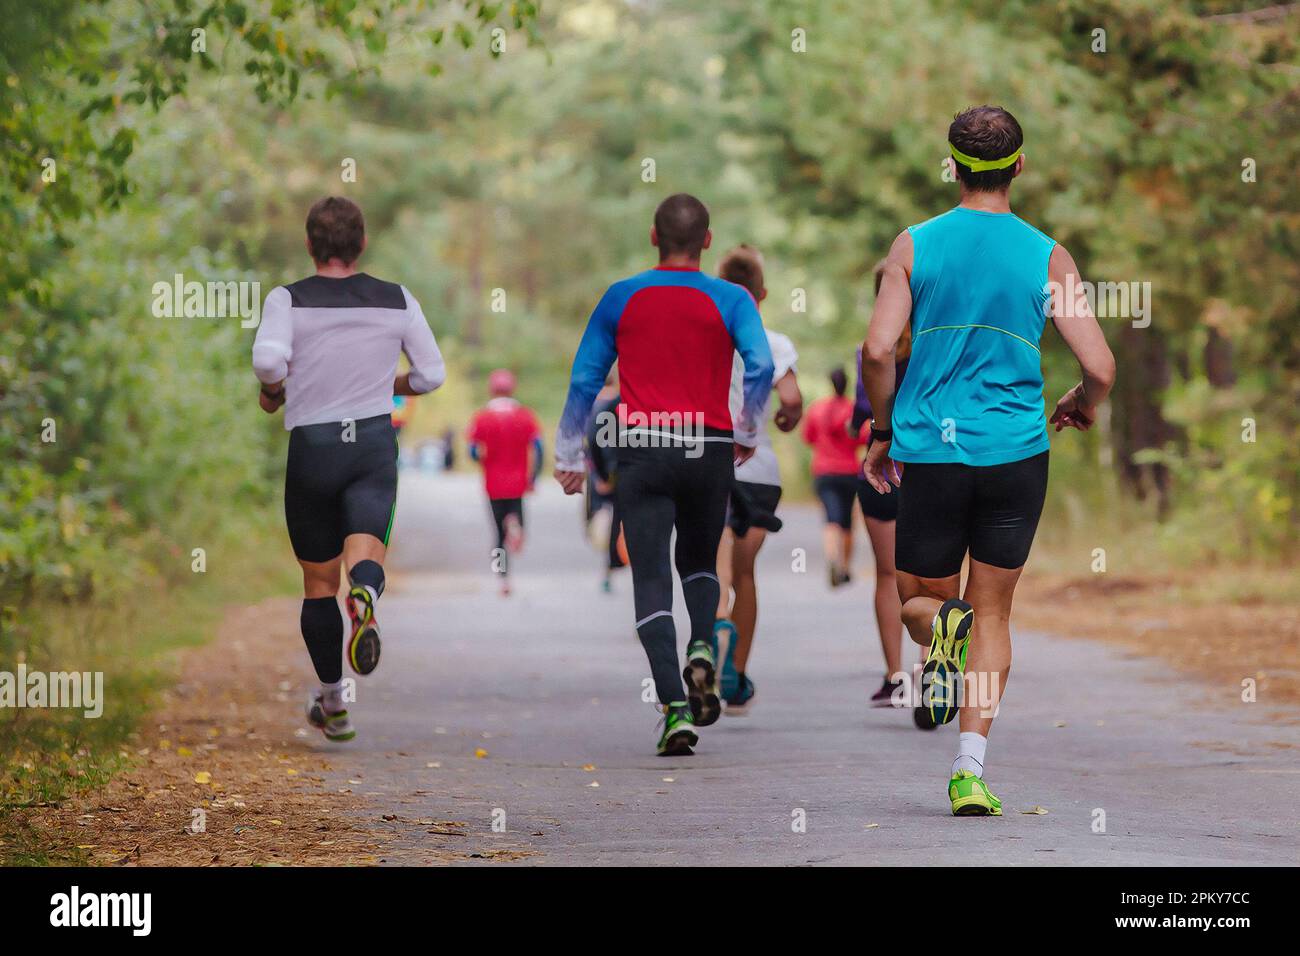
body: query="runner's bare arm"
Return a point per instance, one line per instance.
(791, 410)
(879, 352)
(1073, 318)
(888, 319)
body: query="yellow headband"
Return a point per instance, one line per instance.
(980, 165)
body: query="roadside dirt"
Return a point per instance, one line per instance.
(1224, 642)
(225, 775)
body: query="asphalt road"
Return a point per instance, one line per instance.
(527, 713)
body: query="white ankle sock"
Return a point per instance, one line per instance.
(970, 753)
(332, 697)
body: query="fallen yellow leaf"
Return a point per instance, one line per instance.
(1035, 811)
(480, 752)
(203, 777)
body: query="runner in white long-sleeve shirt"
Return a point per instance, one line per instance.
(327, 350)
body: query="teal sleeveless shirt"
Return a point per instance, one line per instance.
(973, 392)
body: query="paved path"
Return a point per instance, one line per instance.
(548, 683)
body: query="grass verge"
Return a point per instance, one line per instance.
(49, 755)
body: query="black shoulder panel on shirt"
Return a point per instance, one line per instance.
(358, 291)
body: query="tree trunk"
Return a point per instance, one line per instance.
(1139, 422)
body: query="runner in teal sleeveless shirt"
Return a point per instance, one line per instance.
(974, 390)
(964, 441)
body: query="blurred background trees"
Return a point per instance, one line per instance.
(498, 147)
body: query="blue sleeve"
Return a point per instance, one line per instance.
(539, 454)
(747, 333)
(595, 356)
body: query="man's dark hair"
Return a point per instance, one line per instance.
(839, 381)
(985, 132)
(335, 230)
(681, 222)
(743, 265)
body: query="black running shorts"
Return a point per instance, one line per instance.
(874, 504)
(946, 510)
(836, 493)
(334, 487)
(502, 508)
(753, 505)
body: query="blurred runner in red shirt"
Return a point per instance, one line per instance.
(828, 428)
(505, 438)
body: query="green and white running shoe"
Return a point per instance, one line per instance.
(701, 676)
(970, 796)
(337, 727)
(944, 665)
(678, 736)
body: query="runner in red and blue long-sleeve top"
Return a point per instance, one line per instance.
(674, 331)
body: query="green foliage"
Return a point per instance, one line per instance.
(524, 169)
(128, 440)
(1136, 160)
(123, 436)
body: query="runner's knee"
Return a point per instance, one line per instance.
(320, 579)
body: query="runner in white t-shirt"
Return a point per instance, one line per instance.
(754, 497)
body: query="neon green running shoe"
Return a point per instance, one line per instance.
(679, 734)
(701, 677)
(336, 727)
(970, 796)
(944, 665)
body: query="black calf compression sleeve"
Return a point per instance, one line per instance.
(701, 591)
(322, 630)
(659, 638)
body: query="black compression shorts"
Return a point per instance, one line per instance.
(836, 493)
(874, 504)
(334, 487)
(946, 510)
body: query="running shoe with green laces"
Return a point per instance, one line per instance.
(363, 645)
(701, 676)
(944, 665)
(970, 796)
(678, 736)
(337, 727)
